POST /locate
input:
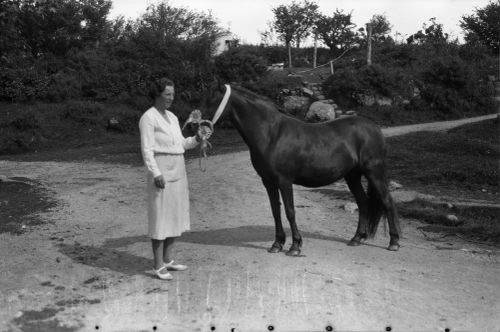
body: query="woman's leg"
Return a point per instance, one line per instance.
(168, 245)
(157, 253)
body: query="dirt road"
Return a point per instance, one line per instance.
(88, 267)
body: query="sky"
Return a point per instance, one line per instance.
(247, 19)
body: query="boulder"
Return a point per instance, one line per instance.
(307, 92)
(319, 112)
(114, 124)
(296, 105)
(384, 101)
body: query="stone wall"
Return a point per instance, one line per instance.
(308, 103)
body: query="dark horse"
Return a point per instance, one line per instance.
(286, 151)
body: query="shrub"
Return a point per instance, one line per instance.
(451, 86)
(240, 64)
(25, 128)
(347, 83)
(273, 83)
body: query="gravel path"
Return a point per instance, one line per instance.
(434, 126)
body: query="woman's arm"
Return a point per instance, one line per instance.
(146, 128)
(190, 142)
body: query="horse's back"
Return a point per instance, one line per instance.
(362, 137)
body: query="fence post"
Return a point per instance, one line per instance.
(369, 42)
(315, 54)
(331, 67)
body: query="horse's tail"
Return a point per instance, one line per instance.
(375, 210)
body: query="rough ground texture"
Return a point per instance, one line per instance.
(88, 267)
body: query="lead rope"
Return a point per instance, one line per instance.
(205, 129)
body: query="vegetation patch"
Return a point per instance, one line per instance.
(21, 201)
(462, 163)
(478, 223)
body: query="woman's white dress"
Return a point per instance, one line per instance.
(163, 146)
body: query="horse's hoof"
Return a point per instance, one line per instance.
(293, 252)
(393, 247)
(354, 243)
(274, 250)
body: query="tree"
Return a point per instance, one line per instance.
(95, 23)
(337, 31)
(179, 23)
(431, 34)
(294, 23)
(10, 39)
(57, 26)
(380, 28)
(483, 27)
(268, 37)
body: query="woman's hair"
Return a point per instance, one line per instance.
(158, 86)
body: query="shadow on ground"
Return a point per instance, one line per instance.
(113, 253)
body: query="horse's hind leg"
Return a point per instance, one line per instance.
(353, 180)
(378, 180)
(287, 195)
(274, 199)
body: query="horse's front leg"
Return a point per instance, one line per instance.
(274, 198)
(287, 195)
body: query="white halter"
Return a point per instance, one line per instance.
(223, 104)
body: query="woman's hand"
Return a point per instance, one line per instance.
(159, 181)
(203, 133)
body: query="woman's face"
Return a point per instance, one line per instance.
(167, 96)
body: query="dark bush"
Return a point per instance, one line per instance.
(346, 84)
(451, 86)
(240, 64)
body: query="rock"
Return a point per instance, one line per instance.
(450, 206)
(384, 101)
(453, 218)
(350, 207)
(416, 92)
(296, 105)
(114, 124)
(319, 112)
(351, 113)
(307, 92)
(320, 97)
(393, 185)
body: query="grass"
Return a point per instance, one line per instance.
(462, 162)
(20, 201)
(478, 223)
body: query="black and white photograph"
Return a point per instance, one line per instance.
(249, 166)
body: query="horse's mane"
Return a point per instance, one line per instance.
(252, 95)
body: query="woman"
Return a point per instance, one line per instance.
(163, 146)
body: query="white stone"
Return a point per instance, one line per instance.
(319, 111)
(351, 207)
(394, 185)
